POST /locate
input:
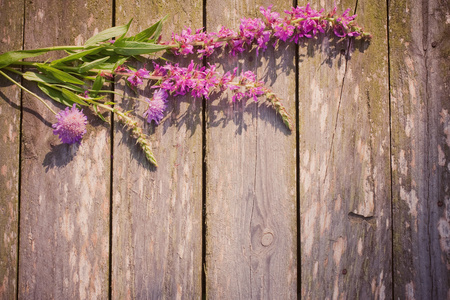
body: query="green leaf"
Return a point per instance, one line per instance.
(54, 94)
(37, 77)
(91, 65)
(72, 97)
(108, 34)
(76, 56)
(97, 85)
(99, 114)
(61, 75)
(70, 87)
(119, 63)
(152, 32)
(10, 57)
(130, 48)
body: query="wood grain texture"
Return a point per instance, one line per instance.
(11, 38)
(251, 236)
(64, 221)
(157, 212)
(344, 162)
(420, 84)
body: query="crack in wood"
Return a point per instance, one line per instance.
(338, 109)
(425, 13)
(360, 217)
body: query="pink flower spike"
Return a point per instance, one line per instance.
(142, 73)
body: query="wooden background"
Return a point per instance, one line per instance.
(355, 203)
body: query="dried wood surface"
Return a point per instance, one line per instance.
(344, 162)
(64, 220)
(11, 31)
(420, 85)
(251, 175)
(157, 212)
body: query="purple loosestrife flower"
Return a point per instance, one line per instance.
(185, 40)
(71, 125)
(136, 78)
(299, 22)
(272, 17)
(156, 106)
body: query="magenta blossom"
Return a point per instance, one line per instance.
(298, 23)
(136, 78)
(71, 125)
(156, 106)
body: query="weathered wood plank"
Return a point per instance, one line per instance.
(344, 162)
(251, 242)
(11, 37)
(64, 220)
(420, 84)
(157, 228)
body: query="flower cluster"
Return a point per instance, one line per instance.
(198, 81)
(71, 125)
(299, 22)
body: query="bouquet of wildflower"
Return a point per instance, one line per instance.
(78, 79)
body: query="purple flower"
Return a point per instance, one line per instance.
(225, 33)
(71, 125)
(272, 17)
(156, 106)
(251, 29)
(136, 78)
(283, 31)
(339, 30)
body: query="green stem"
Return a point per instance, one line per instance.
(57, 48)
(14, 71)
(28, 91)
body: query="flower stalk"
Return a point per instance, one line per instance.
(136, 132)
(27, 90)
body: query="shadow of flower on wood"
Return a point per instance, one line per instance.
(333, 47)
(59, 156)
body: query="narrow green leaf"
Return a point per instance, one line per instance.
(61, 75)
(91, 65)
(37, 77)
(103, 92)
(97, 85)
(70, 87)
(119, 63)
(106, 66)
(76, 56)
(136, 48)
(152, 32)
(54, 94)
(99, 114)
(108, 34)
(10, 57)
(72, 97)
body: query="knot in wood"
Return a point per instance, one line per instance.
(267, 239)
